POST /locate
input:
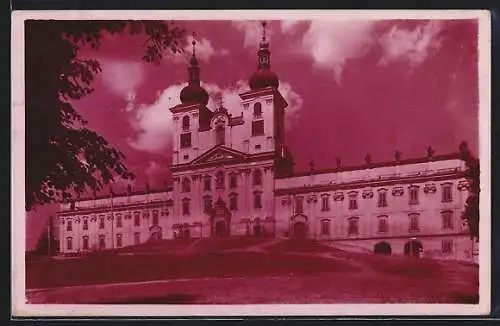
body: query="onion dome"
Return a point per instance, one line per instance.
(193, 92)
(264, 76)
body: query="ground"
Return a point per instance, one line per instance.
(244, 271)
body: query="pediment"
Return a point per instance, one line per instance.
(219, 154)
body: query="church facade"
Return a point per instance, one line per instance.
(233, 176)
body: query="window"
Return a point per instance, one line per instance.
(102, 242)
(220, 134)
(257, 178)
(155, 217)
(186, 140)
(325, 227)
(446, 193)
(447, 246)
(299, 205)
(119, 240)
(233, 181)
(414, 225)
(325, 203)
(257, 110)
(413, 200)
(119, 220)
(69, 226)
(353, 228)
(353, 201)
(101, 222)
(207, 203)
(447, 220)
(257, 128)
(85, 224)
(186, 185)
(137, 219)
(233, 202)
(207, 184)
(185, 123)
(382, 198)
(185, 206)
(257, 200)
(383, 226)
(85, 242)
(69, 243)
(219, 180)
(137, 238)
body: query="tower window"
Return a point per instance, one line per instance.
(185, 123)
(119, 241)
(186, 185)
(69, 226)
(118, 220)
(85, 224)
(220, 134)
(137, 219)
(101, 222)
(325, 203)
(447, 220)
(69, 243)
(207, 184)
(382, 198)
(233, 202)
(353, 226)
(219, 180)
(102, 242)
(383, 226)
(446, 193)
(257, 178)
(257, 128)
(185, 206)
(233, 181)
(257, 200)
(413, 200)
(186, 140)
(325, 227)
(85, 242)
(155, 217)
(353, 201)
(257, 110)
(414, 224)
(299, 205)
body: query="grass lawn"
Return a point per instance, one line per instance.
(284, 272)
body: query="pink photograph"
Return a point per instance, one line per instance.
(253, 163)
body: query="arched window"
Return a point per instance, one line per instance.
(257, 110)
(325, 227)
(257, 178)
(186, 185)
(207, 183)
(220, 134)
(219, 180)
(185, 123)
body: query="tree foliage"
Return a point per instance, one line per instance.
(471, 211)
(63, 155)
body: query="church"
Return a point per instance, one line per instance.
(233, 175)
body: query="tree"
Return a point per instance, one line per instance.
(63, 156)
(471, 211)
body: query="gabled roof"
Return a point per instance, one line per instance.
(219, 153)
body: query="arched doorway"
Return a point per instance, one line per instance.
(382, 248)
(257, 227)
(300, 230)
(413, 248)
(220, 229)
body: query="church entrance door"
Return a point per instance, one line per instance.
(300, 230)
(220, 229)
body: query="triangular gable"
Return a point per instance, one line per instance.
(219, 154)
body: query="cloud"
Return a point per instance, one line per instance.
(290, 26)
(412, 45)
(332, 44)
(122, 77)
(252, 30)
(153, 123)
(204, 51)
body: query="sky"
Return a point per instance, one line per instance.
(353, 87)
